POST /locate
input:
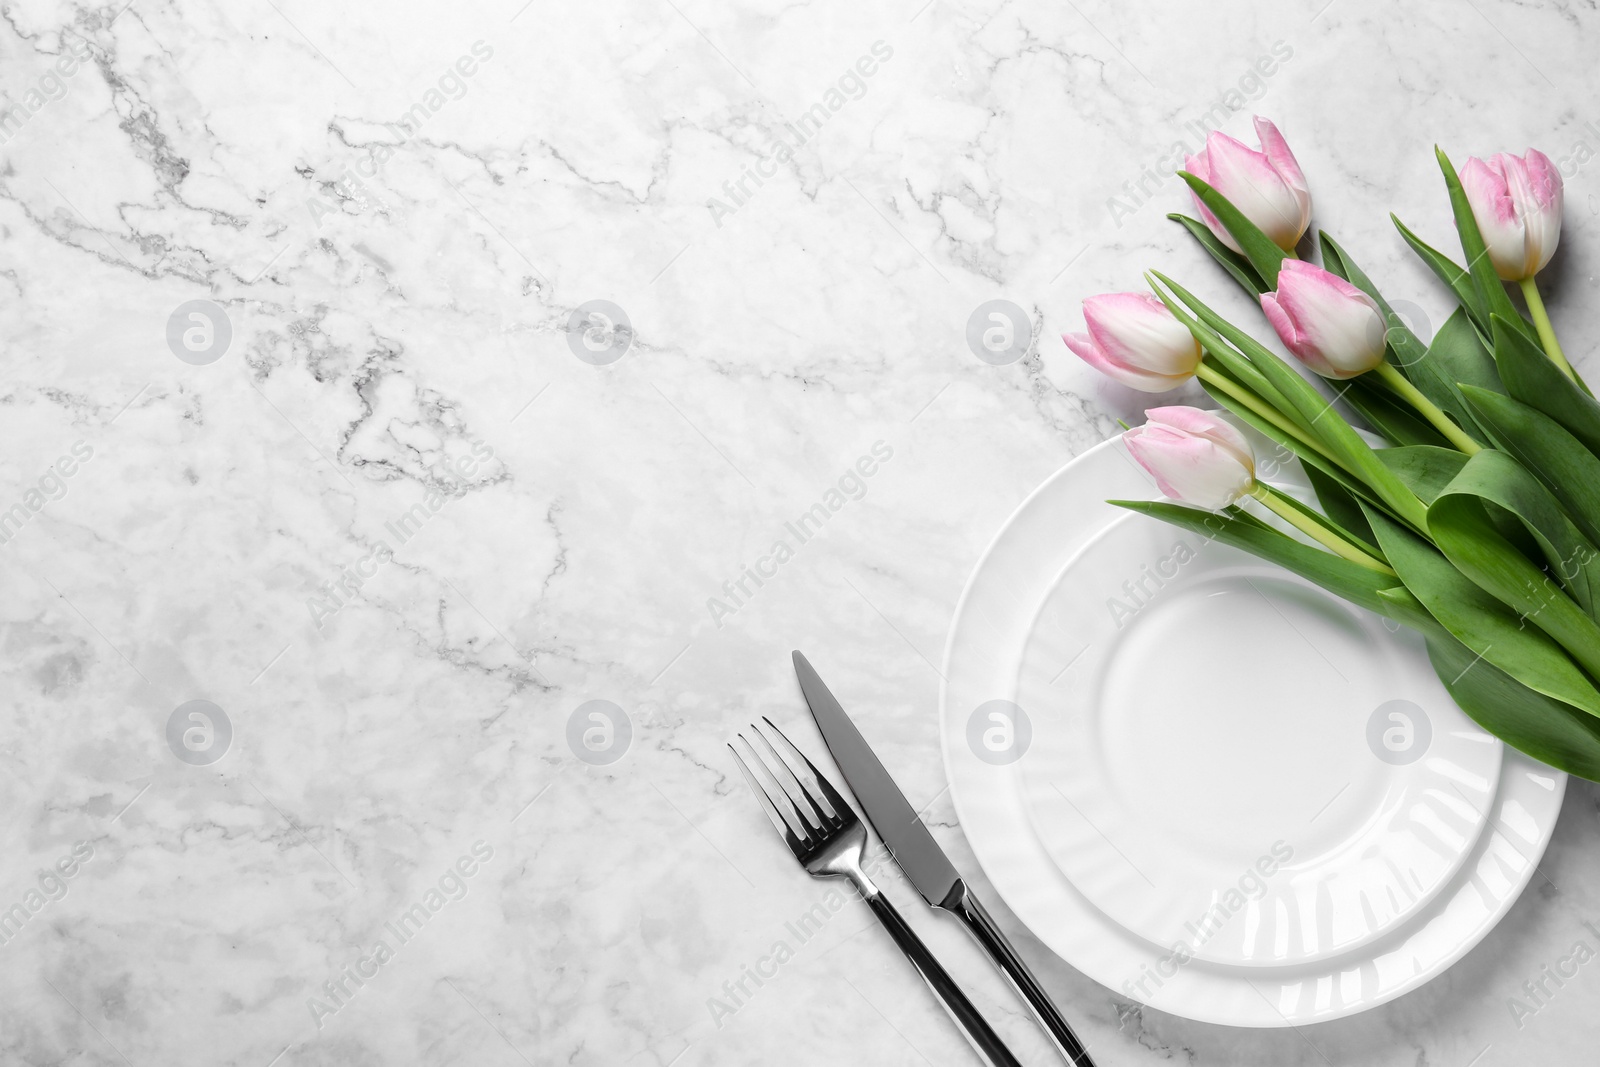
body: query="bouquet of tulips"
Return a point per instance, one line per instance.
(1477, 521)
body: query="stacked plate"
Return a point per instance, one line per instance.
(1208, 784)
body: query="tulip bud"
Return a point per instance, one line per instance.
(1266, 186)
(1333, 327)
(1517, 204)
(1134, 338)
(1194, 456)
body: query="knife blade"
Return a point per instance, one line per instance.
(887, 809)
(919, 855)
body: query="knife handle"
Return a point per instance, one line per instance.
(973, 1025)
(988, 934)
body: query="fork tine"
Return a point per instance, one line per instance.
(805, 807)
(816, 778)
(809, 777)
(824, 818)
(784, 822)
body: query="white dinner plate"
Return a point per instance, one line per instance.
(1225, 756)
(1234, 797)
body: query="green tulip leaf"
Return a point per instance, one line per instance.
(1462, 530)
(1234, 363)
(1314, 463)
(1238, 368)
(1328, 521)
(1459, 352)
(1262, 252)
(1351, 581)
(1451, 273)
(1231, 261)
(1332, 254)
(1481, 621)
(1569, 556)
(1426, 469)
(1549, 730)
(1531, 378)
(1545, 449)
(1341, 506)
(1388, 415)
(1401, 605)
(1228, 400)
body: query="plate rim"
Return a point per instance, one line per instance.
(1451, 865)
(1416, 928)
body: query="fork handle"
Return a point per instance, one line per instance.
(976, 1028)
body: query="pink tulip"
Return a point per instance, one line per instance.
(1517, 203)
(1194, 456)
(1134, 338)
(1333, 327)
(1266, 186)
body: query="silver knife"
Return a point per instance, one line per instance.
(920, 856)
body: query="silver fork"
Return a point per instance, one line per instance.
(829, 841)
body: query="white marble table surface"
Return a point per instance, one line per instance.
(398, 532)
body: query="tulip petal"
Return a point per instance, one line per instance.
(1310, 275)
(1276, 149)
(1337, 329)
(1204, 423)
(1277, 152)
(1137, 330)
(1188, 466)
(1488, 191)
(1546, 180)
(1249, 181)
(1133, 377)
(1289, 334)
(1535, 188)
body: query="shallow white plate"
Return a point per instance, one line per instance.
(1464, 848)
(1226, 756)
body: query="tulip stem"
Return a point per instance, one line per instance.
(1426, 408)
(1281, 506)
(1547, 332)
(1215, 378)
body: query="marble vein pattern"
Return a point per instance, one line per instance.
(471, 405)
